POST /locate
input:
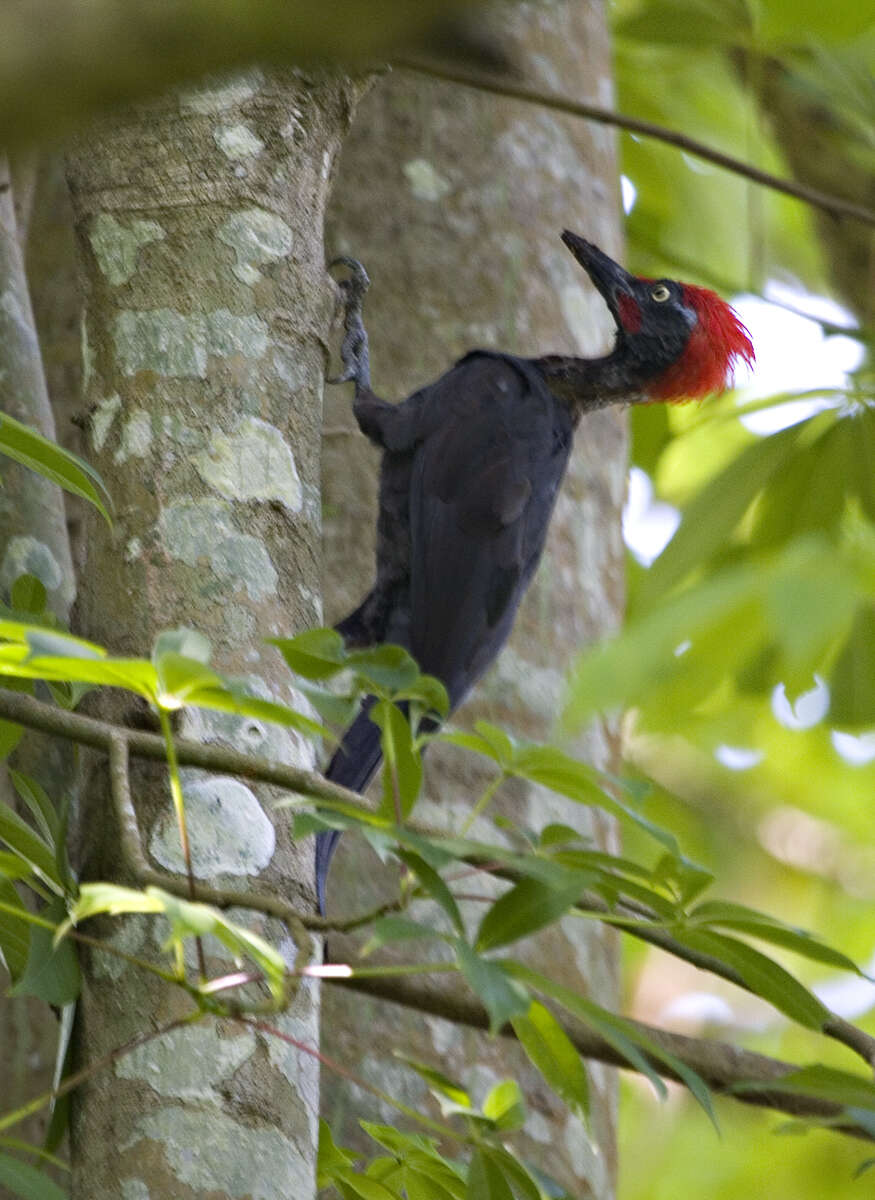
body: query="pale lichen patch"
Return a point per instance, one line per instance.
(205, 1148)
(187, 1063)
(229, 94)
(252, 463)
(133, 550)
(237, 141)
(228, 829)
(425, 181)
(116, 246)
(11, 306)
(257, 237)
(194, 530)
(26, 555)
(134, 1189)
(161, 340)
(136, 436)
(102, 418)
(229, 334)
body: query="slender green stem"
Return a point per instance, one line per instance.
(179, 808)
(483, 801)
(435, 1126)
(30, 1148)
(25, 915)
(73, 1081)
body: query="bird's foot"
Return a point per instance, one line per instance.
(354, 349)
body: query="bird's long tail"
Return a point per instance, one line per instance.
(353, 766)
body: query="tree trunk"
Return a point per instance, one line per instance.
(454, 201)
(199, 223)
(33, 540)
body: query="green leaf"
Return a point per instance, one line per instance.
(763, 976)
(235, 700)
(14, 930)
(428, 1185)
(332, 1160)
(432, 883)
(687, 23)
(852, 682)
(502, 997)
(613, 1029)
(712, 516)
(486, 1180)
(37, 639)
(437, 1080)
(353, 1184)
(521, 1182)
(35, 797)
(428, 693)
(826, 1083)
(385, 670)
(527, 907)
(22, 840)
(402, 763)
(505, 1106)
(550, 1049)
(24, 445)
(52, 971)
(757, 924)
(315, 654)
(27, 1182)
(396, 929)
(14, 867)
(396, 1141)
(186, 919)
(28, 595)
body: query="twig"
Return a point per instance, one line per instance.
(834, 205)
(345, 1073)
(73, 1081)
(721, 1065)
(89, 731)
(23, 709)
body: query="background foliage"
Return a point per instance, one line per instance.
(767, 585)
(773, 560)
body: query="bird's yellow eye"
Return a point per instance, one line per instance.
(660, 293)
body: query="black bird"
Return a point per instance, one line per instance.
(472, 465)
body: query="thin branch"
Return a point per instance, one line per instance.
(720, 1064)
(834, 205)
(24, 710)
(345, 1073)
(89, 731)
(7, 1120)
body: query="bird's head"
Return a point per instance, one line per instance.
(678, 342)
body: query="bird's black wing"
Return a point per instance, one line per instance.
(486, 472)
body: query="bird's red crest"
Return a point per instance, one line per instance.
(716, 342)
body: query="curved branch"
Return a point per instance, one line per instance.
(834, 205)
(25, 710)
(721, 1065)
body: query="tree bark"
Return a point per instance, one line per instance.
(199, 222)
(454, 201)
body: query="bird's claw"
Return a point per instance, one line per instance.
(354, 349)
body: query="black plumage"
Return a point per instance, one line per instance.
(471, 469)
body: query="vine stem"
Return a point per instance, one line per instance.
(179, 809)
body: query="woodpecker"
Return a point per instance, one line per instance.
(472, 465)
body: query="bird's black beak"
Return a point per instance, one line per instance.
(609, 277)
